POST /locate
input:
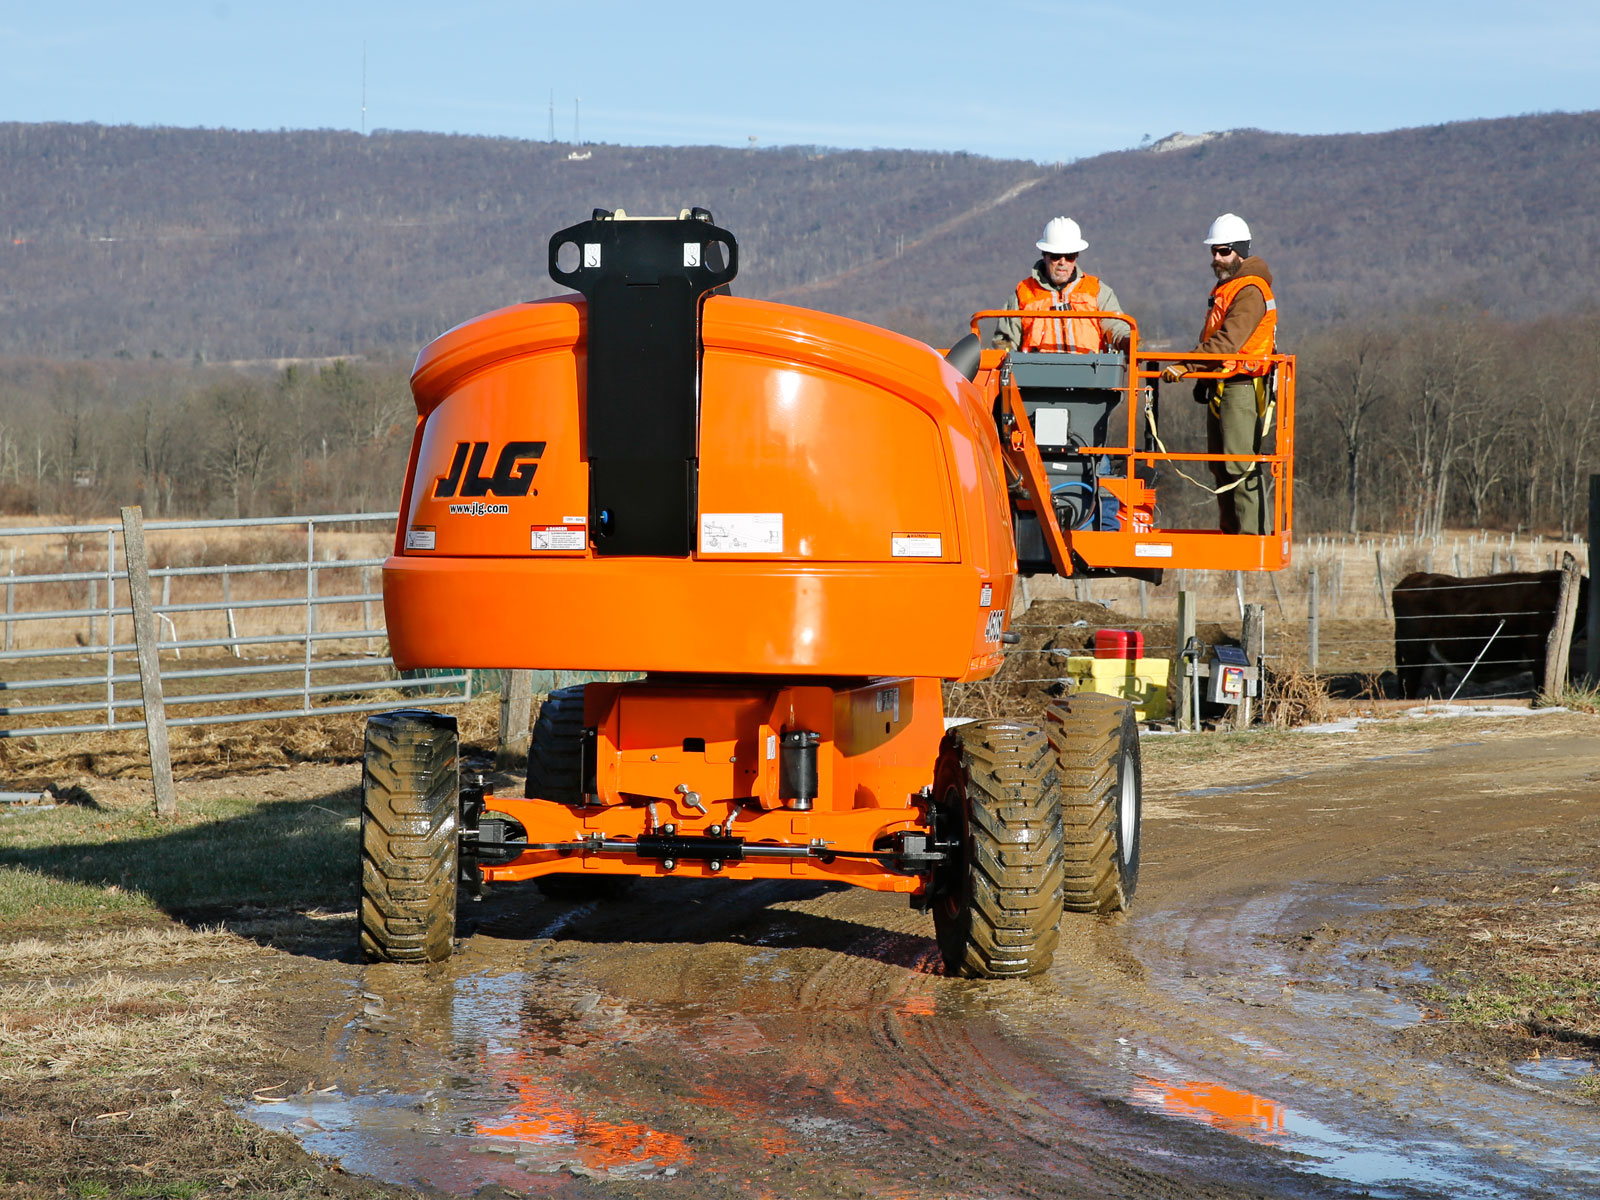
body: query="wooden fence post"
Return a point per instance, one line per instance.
(1559, 647)
(1255, 640)
(516, 714)
(1185, 683)
(145, 638)
(1592, 666)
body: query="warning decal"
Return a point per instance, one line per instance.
(557, 537)
(420, 537)
(1152, 550)
(916, 545)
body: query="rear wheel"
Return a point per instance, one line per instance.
(998, 911)
(1096, 744)
(555, 773)
(409, 837)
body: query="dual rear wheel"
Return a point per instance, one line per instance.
(1047, 820)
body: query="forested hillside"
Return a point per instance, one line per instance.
(228, 245)
(1438, 285)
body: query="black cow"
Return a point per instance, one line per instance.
(1442, 623)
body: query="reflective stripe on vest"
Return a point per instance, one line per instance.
(1078, 335)
(1262, 340)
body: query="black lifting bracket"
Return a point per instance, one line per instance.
(644, 281)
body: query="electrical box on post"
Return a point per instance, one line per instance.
(1231, 678)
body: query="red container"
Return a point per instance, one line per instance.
(1118, 643)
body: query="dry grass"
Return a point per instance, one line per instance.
(1293, 697)
(1521, 956)
(150, 947)
(116, 1023)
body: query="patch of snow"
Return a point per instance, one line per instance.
(1182, 141)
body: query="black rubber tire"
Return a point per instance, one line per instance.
(555, 749)
(1096, 743)
(555, 773)
(410, 841)
(998, 914)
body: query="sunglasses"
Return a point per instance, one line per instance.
(1222, 252)
(1073, 257)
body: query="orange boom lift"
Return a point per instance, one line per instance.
(795, 526)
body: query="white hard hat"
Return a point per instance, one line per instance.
(1062, 236)
(1226, 230)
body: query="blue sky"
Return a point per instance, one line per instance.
(1024, 79)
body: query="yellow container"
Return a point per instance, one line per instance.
(1140, 681)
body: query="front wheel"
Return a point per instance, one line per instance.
(1096, 744)
(410, 844)
(997, 913)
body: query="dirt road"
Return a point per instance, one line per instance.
(1255, 1027)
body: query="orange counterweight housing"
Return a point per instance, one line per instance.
(851, 517)
(697, 756)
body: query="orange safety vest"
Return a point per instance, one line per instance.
(1262, 340)
(1075, 335)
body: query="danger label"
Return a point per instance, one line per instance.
(556, 537)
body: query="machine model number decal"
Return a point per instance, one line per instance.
(916, 545)
(994, 626)
(1152, 550)
(986, 595)
(512, 475)
(889, 702)
(741, 533)
(420, 537)
(557, 537)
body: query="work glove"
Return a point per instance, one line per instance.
(1173, 372)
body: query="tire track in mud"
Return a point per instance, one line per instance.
(789, 1039)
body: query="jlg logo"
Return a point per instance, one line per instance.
(513, 471)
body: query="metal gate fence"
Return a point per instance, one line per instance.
(310, 627)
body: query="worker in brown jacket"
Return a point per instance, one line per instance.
(1241, 319)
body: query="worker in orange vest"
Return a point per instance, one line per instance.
(1241, 319)
(1056, 285)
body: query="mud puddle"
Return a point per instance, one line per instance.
(1249, 1030)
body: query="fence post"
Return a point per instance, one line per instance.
(1559, 647)
(1383, 590)
(145, 638)
(227, 609)
(111, 626)
(11, 602)
(1144, 602)
(516, 714)
(1255, 640)
(1185, 632)
(1592, 666)
(94, 603)
(1313, 617)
